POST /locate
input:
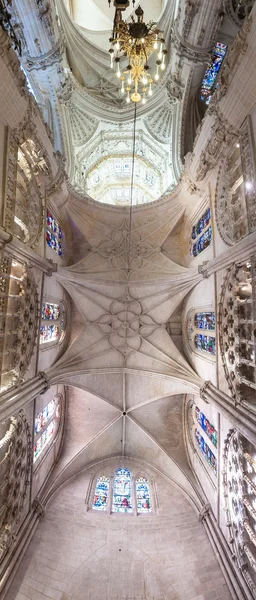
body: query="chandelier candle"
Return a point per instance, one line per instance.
(137, 41)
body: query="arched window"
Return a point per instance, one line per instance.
(53, 321)
(143, 495)
(206, 426)
(46, 426)
(211, 73)
(54, 234)
(101, 493)
(203, 438)
(122, 490)
(206, 451)
(201, 332)
(18, 320)
(122, 493)
(201, 233)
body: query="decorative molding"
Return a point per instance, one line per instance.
(203, 269)
(235, 503)
(222, 136)
(236, 323)
(16, 449)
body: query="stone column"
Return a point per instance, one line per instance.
(242, 417)
(15, 398)
(234, 578)
(238, 253)
(22, 252)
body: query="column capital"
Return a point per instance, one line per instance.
(203, 389)
(38, 507)
(202, 269)
(46, 385)
(5, 237)
(204, 512)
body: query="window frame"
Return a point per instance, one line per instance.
(59, 403)
(191, 332)
(61, 321)
(135, 475)
(60, 240)
(208, 227)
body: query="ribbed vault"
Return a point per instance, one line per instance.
(125, 375)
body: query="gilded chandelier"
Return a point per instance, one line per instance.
(137, 41)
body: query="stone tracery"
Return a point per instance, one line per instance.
(237, 330)
(15, 468)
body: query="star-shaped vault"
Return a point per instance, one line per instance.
(126, 363)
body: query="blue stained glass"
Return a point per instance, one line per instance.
(205, 320)
(53, 242)
(201, 224)
(101, 493)
(206, 451)
(53, 225)
(54, 234)
(212, 71)
(206, 343)
(206, 426)
(203, 242)
(122, 491)
(143, 496)
(49, 333)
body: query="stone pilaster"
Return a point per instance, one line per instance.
(15, 398)
(22, 252)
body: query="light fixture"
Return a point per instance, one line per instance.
(137, 41)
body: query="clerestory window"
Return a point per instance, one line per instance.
(122, 493)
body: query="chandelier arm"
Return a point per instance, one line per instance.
(132, 183)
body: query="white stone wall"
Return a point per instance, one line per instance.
(87, 555)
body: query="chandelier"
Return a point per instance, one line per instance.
(136, 40)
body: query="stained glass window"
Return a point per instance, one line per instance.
(206, 426)
(210, 76)
(205, 320)
(206, 451)
(201, 224)
(122, 491)
(206, 343)
(49, 433)
(49, 333)
(54, 234)
(101, 493)
(201, 233)
(50, 312)
(203, 242)
(143, 496)
(44, 416)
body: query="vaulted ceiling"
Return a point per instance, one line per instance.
(126, 376)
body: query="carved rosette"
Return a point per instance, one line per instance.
(15, 467)
(239, 493)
